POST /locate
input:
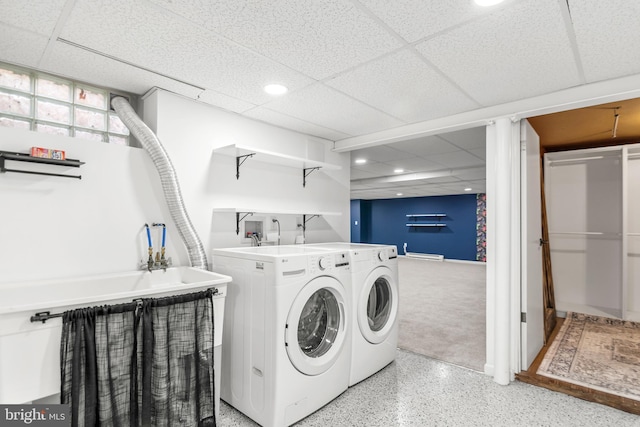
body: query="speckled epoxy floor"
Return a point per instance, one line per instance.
(418, 391)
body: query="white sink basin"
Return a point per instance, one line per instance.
(30, 352)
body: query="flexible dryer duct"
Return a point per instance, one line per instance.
(168, 178)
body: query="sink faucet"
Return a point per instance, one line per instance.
(275, 220)
(150, 260)
(160, 261)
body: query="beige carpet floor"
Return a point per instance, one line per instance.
(596, 352)
(442, 310)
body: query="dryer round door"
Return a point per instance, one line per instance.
(378, 305)
(316, 326)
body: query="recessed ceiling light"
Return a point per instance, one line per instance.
(275, 89)
(361, 161)
(398, 170)
(468, 189)
(398, 194)
(487, 3)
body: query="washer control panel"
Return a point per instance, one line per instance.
(324, 262)
(382, 255)
(328, 262)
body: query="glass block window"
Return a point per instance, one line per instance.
(49, 104)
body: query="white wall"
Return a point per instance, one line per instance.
(58, 227)
(190, 131)
(54, 227)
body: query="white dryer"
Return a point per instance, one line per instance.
(286, 348)
(375, 295)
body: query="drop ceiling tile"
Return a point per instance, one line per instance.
(467, 138)
(415, 164)
(415, 19)
(369, 166)
(457, 159)
(479, 152)
(324, 106)
(288, 122)
(476, 173)
(457, 188)
(381, 153)
(378, 169)
(358, 187)
(438, 180)
(518, 52)
(477, 186)
(608, 37)
(385, 185)
(361, 174)
(38, 16)
(425, 146)
(432, 188)
(318, 38)
(221, 100)
(404, 86)
(79, 64)
(21, 47)
(156, 39)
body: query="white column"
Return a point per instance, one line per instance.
(491, 239)
(502, 251)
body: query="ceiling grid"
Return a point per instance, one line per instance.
(354, 68)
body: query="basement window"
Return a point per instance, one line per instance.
(53, 105)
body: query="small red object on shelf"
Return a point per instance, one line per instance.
(47, 153)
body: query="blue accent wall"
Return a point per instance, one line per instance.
(385, 221)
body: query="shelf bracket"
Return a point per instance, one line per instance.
(305, 174)
(306, 218)
(238, 220)
(240, 160)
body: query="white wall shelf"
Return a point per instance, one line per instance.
(436, 215)
(418, 224)
(242, 213)
(242, 153)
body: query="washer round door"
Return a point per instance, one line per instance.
(316, 326)
(378, 305)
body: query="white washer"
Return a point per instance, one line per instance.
(286, 341)
(375, 294)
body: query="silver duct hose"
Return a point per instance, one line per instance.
(168, 178)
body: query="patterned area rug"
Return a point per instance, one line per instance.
(596, 352)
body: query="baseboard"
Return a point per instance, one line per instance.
(465, 261)
(461, 261)
(489, 369)
(429, 257)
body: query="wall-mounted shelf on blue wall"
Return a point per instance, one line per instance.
(436, 215)
(437, 225)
